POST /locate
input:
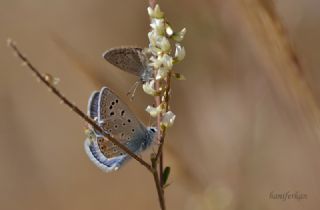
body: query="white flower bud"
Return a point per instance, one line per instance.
(152, 38)
(158, 41)
(163, 43)
(162, 73)
(154, 50)
(154, 111)
(165, 61)
(156, 12)
(180, 53)
(155, 62)
(169, 30)
(168, 119)
(158, 26)
(180, 35)
(148, 87)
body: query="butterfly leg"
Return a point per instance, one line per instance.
(132, 90)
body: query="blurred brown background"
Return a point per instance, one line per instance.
(246, 126)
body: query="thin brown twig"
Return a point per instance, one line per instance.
(160, 190)
(73, 107)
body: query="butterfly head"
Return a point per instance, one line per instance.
(147, 74)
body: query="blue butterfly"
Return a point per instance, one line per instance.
(115, 118)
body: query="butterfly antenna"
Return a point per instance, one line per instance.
(133, 89)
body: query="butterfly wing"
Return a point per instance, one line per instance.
(98, 158)
(129, 59)
(116, 119)
(92, 111)
(93, 105)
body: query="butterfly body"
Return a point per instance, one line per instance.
(130, 59)
(115, 118)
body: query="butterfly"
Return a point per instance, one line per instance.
(132, 60)
(115, 118)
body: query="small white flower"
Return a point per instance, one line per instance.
(168, 119)
(180, 35)
(163, 43)
(162, 73)
(154, 50)
(180, 52)
(163, 64)
(155, 62)
(158, 41)
(158, 26)
(154, 111)
(152, 38)
(148, 88)
(164, 61)
(156, 12)
(169, 30)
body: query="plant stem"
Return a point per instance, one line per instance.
(159, 154)
(157, 182)
(158, 173)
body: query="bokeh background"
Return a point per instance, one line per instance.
(247, 116)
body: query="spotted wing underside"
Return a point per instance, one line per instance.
(115, 118)
(129, 59)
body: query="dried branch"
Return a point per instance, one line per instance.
(157, 181)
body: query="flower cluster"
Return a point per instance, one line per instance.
(161, 61)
